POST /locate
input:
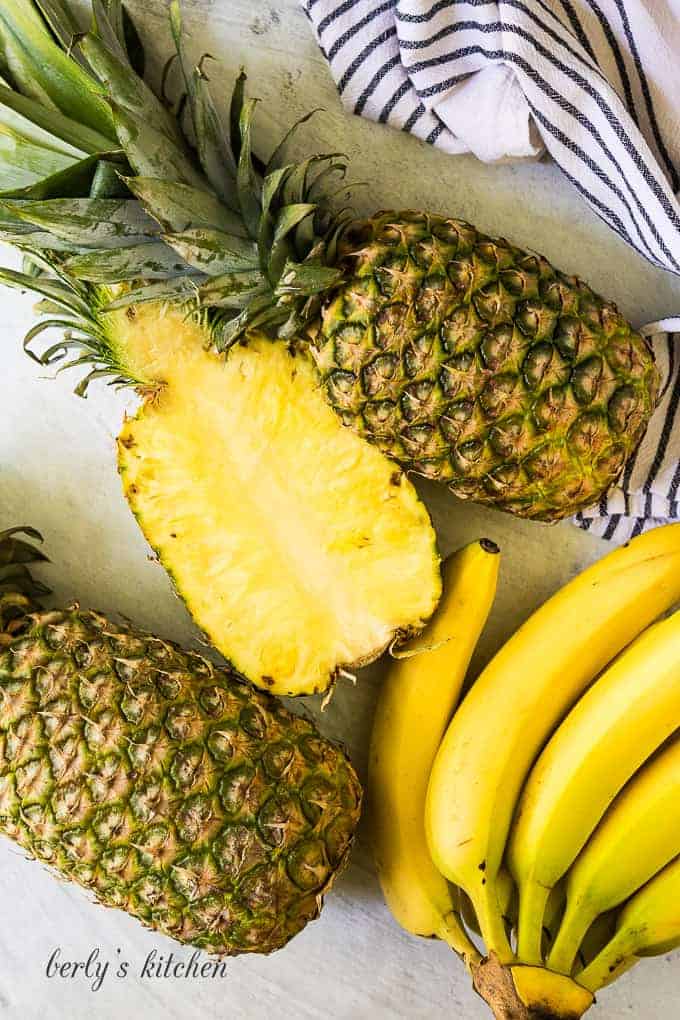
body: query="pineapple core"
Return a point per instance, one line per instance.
(299, 548)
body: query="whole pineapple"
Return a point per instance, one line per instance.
(162, 784)
(464, 358)
(299, 549)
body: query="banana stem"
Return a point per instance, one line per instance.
(491, 921)
(575, 923)
(533, 900)
(453, 933)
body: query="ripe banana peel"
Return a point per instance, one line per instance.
(488, 752)
(622, 719)
(417, 698)
(639, 835)
(520, 698)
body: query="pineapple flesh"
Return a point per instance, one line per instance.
(160, 783)
(300, 549)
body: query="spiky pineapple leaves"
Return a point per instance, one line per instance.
(18, 587)
(42, 70)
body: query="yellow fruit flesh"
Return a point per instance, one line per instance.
(298, 548)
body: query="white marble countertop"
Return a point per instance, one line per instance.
(57, 472)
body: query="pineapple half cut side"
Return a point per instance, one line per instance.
(299, 549)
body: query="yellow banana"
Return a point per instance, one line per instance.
(518, 700)
(624, 717)
(649, 921)
(637, 837)
(416, 701)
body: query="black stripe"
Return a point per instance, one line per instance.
(417, 44)
(415, 116)
(374, 82)
(346, 36)
(335, 13)
(644, 85)
(618, 58)
(639, 525)
(601, 210)
(578, 116)
(419, 19)
(389, 33)
(613, 524)
(568, 8)
(435, 133)
(389, 106)
(664, 438)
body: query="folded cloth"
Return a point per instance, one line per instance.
(648, 492)
(595, 83)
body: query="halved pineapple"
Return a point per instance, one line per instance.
(298, 547)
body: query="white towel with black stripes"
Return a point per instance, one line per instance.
(596, 85)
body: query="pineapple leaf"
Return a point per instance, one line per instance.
(109, 27)
(143, 261)
(107, 181)
(179, 207)
(42, 71)
(14, 550)
(53, 290)
(247, 184)
(75, 180)
(124, 28)
(49, 127)
(90, 222)
(307, 278)
(24, 163)
(48, 356)
(232, 290)
(152, 154)
(127, 90)
(213, 152)
(213, 251)
(179, 289)
(276, 155)
(60, 19)
(289, 218)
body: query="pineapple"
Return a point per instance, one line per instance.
(163, 785)
(463, 358)
(301, 551)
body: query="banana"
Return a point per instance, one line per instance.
(518, 700)
(649, 922)
(416, 701)
(637, 837)
(618, 723)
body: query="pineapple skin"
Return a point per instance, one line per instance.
(476, 363)
(168, 787)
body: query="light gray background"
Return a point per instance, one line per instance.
(57, 472)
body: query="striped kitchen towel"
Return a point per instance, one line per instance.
(596, 84)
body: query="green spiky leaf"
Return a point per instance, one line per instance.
(179, 207)
(144, 261)
(214, 252)
(42, 71)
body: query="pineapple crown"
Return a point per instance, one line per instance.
(110, 183)
(19, 590)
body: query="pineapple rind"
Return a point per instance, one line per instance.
(167, 787)
(474, 362)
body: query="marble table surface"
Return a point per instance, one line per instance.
(57, 472)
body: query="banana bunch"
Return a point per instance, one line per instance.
(546, 817)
